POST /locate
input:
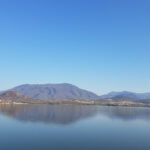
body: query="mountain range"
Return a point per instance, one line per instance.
(69, 91)
(127, 94)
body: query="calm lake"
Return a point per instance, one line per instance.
(71, 127)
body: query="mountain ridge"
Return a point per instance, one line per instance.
(70, 91)
(12, 97)
(54, 91)
(127, 93)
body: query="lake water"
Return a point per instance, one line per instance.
(68, 127)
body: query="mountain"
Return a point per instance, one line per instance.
(13, 96)
(1, 92)
(123, 98)
(64, 91)
(54, 91)
(127, 94)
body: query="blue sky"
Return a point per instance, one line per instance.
(99, 45)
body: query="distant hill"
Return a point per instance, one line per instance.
(54, 91)
(127, 94)
(67, 91)
(13, 96)
(1, 92)
(124, 98)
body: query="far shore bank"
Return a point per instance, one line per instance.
(123, 104)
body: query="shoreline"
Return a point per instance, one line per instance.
(82, 103)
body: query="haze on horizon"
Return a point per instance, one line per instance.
(100, 46)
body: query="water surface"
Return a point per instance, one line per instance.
(71, 127)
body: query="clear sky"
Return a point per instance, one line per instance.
(99, 45)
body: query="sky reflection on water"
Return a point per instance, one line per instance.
(44, 127)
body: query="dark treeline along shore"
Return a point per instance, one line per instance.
(70, 94)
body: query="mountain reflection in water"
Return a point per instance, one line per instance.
(66, 114)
